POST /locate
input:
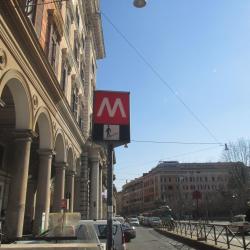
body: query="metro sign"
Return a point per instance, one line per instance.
(111, 108)
(111, 117)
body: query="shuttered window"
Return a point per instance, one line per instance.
(30, 9)
(52, 43)
(74, 100)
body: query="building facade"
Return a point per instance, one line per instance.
(189, 189)
(48, 53)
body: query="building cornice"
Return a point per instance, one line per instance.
(94, 21)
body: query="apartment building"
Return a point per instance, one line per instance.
(48, 53)
(188, 188)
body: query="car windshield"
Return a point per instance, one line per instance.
(156, 219)
(82, 233)
(102, 229)
(133, 219)
(87, 233)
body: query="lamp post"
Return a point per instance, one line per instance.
(140, 3)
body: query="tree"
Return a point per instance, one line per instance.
(238, 185)
(238, 151)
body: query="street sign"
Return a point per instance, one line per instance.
(111, 117)
(111, 108)
(197, 195)
(63, 203)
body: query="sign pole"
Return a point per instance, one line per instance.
(110, 198)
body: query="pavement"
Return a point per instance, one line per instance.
(200, 243)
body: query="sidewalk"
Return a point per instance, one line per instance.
(198, 244)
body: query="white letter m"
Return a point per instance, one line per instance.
(111, 112)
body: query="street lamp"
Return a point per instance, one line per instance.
(139, 3)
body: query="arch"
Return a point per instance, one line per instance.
(18, 87)
(60, 147)
(70, 159)
(44, 122)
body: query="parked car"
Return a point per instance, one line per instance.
(239, 224)
(155, 221)
(119, 218)
(129, 232)
(101, 230)
(133, 221)
(83, 234)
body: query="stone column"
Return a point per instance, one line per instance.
(43, 191)
(30, 206)
(18, 187)
(59, 185)
(83, 191)
(94, 189)
(100, 193)
(70, 188)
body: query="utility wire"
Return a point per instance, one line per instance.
(142, 57)
(180, 142)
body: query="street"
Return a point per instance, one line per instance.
(148, 239)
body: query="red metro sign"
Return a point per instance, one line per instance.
(111, 108)
(111, 117)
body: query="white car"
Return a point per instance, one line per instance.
(134, 222)
(239, 224)
(101, 230)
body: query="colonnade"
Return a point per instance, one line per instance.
(32, 198)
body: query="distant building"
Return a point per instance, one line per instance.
(188, 188)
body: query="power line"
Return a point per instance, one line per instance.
(142, 57)
(167, 157)
(179, 142)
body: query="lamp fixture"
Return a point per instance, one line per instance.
(140, 3)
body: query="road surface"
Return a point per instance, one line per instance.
(148, 239)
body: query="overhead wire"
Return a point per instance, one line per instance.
(179, 142)
(158, 75)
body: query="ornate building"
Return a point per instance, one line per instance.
(48, 53)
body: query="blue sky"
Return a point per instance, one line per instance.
(201, 50)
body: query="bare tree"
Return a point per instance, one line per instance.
(238, 151)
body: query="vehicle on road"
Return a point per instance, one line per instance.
(134, 221)
(155, 221)
(119, 218)
(101, 230)
(239, 224)
(129, 232)
(79, 236)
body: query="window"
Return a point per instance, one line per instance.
(68, 23)
(83, 42)
(52, 42)
(30, 9)
(80, 121)
(76, 48)
(82, 70)
(77, 16)
(74, 100)
(64, 76)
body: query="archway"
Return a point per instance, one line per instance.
(58, 172)
(16, 135)
(38, 190)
